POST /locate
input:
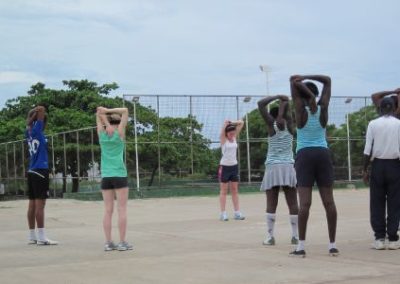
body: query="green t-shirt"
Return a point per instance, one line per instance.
(112, 155)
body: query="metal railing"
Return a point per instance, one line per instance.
(157, 157)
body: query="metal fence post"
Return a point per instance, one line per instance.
(158, 141)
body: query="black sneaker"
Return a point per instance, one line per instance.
(333, 252)
(298, 253)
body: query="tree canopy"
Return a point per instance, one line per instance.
(74, 107)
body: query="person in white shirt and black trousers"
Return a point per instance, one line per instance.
(382, 147)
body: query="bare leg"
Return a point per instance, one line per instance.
(122, 198)
(272, 199)
(108, 197)
(235, 195)
(326, 194)
(31, 214)
(305, 198)
(291, 200)
(222, 195)
(39, 212)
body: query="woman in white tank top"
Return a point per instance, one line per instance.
(228, 172)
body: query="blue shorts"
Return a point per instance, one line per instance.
(228, 173)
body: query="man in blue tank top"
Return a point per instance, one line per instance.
(313, 159)
(38, 175)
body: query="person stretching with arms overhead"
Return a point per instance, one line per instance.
(279, 169)
(228, 171)
(111, 124)
(38, 175)
(313, 159)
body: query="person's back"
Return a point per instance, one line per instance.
(382, 147)
(37, 146)
(312, 134)
(280, 147)
(384, 130)
(112, 155)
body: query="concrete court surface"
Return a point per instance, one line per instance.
(181, 240)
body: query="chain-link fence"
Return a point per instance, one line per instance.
(173, 141)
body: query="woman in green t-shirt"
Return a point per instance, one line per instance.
(111, 125)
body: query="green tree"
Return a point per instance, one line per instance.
(337, 137)
(74, 107)
(70, 108)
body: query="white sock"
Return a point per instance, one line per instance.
(41, 234)
(294, 220)
(32, 235)
(300, 245)
(238, 213)
(270, 219)
(332, 245)
(223, 213)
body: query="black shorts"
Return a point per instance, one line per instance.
(38, 184)
(228, 173)
(314, 165)
(114, 183)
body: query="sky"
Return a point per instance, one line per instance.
(199, 47)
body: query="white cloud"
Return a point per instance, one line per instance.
(12, 77)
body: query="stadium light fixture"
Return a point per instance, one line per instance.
(266, 69)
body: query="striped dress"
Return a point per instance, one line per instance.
(279, 169)
(280, 147)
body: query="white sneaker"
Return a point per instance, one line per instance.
(46, 242)
(269, 241)
(394, 245)
(239, 216)
(223, 217)
(379, 244)
(32, 242)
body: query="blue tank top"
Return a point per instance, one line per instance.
(312, 134)
(280, 149)
(37, 146)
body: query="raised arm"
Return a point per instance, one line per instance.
(281, 119)
(268, 118)
(101, 119)
(325, 95)
(239, 126)
(297, 88)
(397, 112)
(222, 136)
(326, 90)
(124, 118)
(40, 113)
(31, 117)
(35, 114)
(377, 97)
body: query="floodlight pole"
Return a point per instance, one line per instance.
(246, 100)
(264, 68)
(348, 101)
(135, 99)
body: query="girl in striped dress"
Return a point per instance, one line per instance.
(279, 169)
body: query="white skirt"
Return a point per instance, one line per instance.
(278, 175)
